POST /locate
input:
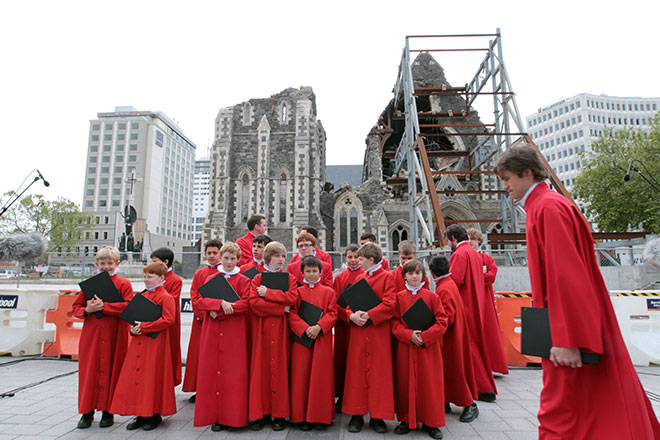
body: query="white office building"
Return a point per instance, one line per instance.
(200, 196)
(569, 126)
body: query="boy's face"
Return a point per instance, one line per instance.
(311, 273)
(212, 255)
(158, 260)
(258, 250)
(306, 248)
(261, 228)
(229, 261)
(277, 261)
(517, 185)
(107, 265)
(414, 279)
(366, 263)
(404, 258)
(151, 280)
(352, 259)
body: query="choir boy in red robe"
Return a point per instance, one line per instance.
(407, 252)
(306, 244)
(466, 267)
(173, 286)
(212, 254)
(492, 329)
(318, 253)
(460, 385)
(146, 384)
(350, 275)
(369, 382)
(103, 344)
(604, 401)
(419, 393)
(222, 378)
(257, 225)
(369, 237)
(271, 345)
(312, 386)
(258, 245)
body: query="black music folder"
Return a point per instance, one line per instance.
(341, 300)
(360, 296)
(219, 288)
(142, 309)
(311, 314)
(418, 316)
(276, 280)
(536, 339)
(251, 272)
(102, 286)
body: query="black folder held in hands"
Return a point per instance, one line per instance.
(219, 288)
(536, 339)
(142, 309)
(311, 314)
(251, 272)
(102, 286)
(360, 296)
(341, 300)
(418, 316)
(276, 280)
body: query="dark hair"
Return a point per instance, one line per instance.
(310, 261)
(368, 236)
(439, 266)
(456, 231)
(352, 247)
(263, 239)
(164, 254)
(214, 242)
(412, 266)
(312, 230)
(254, 220)
(520, 157)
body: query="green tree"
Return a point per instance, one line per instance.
(619, 206)
(60, 221)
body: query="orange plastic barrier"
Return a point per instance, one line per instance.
(508, 306)
(68, 327)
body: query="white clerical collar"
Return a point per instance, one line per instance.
(311, 285)
(114, 272)
(529, 191)
(441, 277)
(153, 289)
(234, 271)
(268, 269)
(356, 268)
(414, 290)
(462, 242)
(374, 268)
(212, 265)
(169, 269)
(259, 262)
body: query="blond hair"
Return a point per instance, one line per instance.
(475, 234)
(108, 252)
(273, 248)
(232, 248)
(371, 250)
(407, 247)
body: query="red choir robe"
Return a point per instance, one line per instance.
(173, 286)
(460, 385)
(466, 268)
(341, 326)
(419, 378)
(190, 378)
(245, 243)
(222, 377)
(594, 401)
(369, 381)
(318, 253)
(249, 265)
(270, 350)
(326, 273)
(101, 349)
(492, 329)
(386, 264)
(312, 386)
(146, 383)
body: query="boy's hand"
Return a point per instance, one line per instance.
(135, 329)
(566, 357)
(287, 309)
(213, 314)
(313, 331)
(227, 308)
(94, 305)
(261, 290)
(416, 338)
(358, 318)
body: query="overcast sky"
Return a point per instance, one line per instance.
(63, 62)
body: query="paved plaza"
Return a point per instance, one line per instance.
(44, 406)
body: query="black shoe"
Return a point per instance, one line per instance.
(487, 397)
(356, 424)
(137, 422)
(432, 432)
(279, 423)
(306, 426)
(216, 427)
(378, 425)
(402, 428)
(106, 420)
(447, 408)
(86, 420)
(469, 413)
(320, 426)
(152, 422)
(258, 425)
(338, 404)
(192, 398)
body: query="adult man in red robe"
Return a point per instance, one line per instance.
(604, 401)
(318, 252)
(491, 323)
(407, 252)
(257, 225)
(466, 267)
(306, 244)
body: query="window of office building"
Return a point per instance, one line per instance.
(104, 180)
(133, 147)
(105, 170)
(132, 158)
(102, 204)
(91, 181)
(92, 159)
(118, 169)
(134, 136)
(96, 127)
